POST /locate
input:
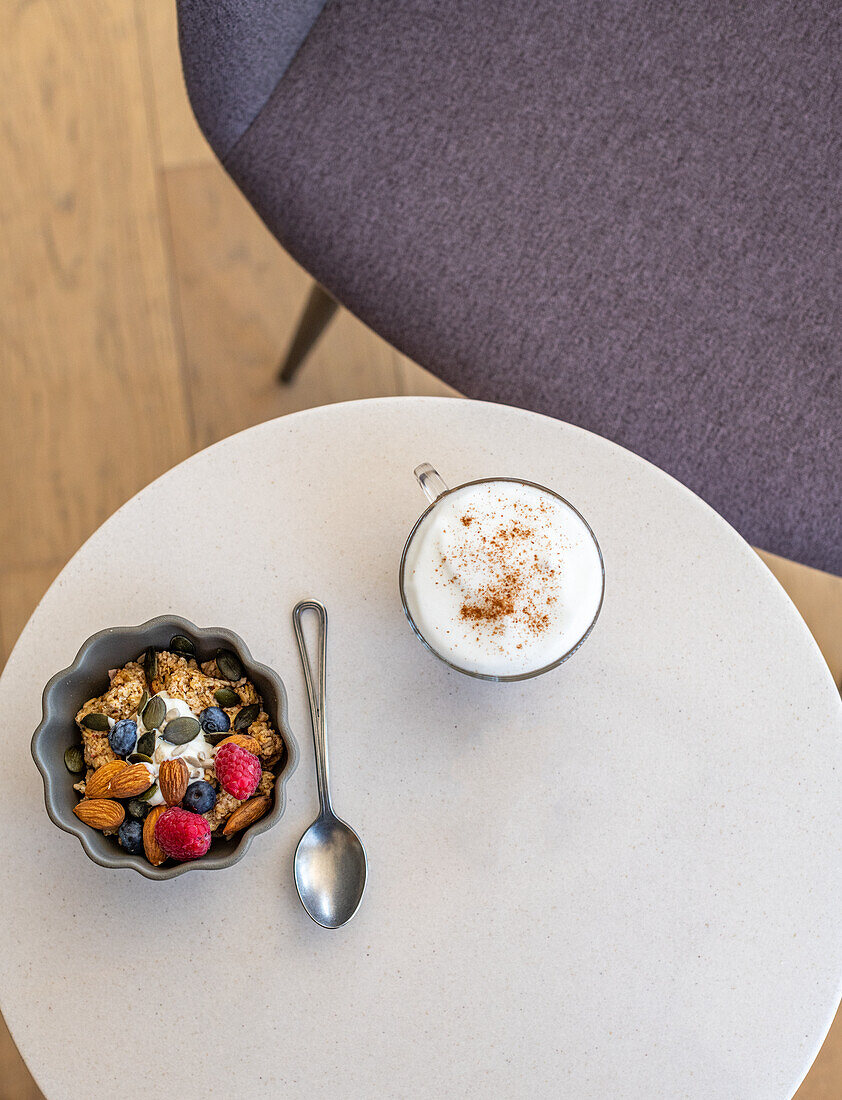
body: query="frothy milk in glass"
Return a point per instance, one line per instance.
(502, 578)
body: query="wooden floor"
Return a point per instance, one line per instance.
(144, 309)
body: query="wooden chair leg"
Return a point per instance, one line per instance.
(314, 320)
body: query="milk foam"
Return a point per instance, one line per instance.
(502, 578)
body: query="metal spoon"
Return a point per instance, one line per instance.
(330, 862)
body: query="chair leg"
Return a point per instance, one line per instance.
(314, 320)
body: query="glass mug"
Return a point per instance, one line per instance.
(587, 549)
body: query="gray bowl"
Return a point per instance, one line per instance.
(88, 676)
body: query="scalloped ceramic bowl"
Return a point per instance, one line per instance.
(88, 676)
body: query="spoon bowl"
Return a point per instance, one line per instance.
(330, 871)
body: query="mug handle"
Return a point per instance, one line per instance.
(430, 481)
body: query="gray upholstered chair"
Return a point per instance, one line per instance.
(628, 216)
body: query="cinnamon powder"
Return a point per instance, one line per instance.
(511, 596)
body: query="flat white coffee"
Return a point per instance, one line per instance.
(502, 578)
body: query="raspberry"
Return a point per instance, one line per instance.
(237, 770)
(182, 835)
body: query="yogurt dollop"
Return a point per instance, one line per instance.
(196, 754)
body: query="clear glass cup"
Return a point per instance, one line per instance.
(436, 490)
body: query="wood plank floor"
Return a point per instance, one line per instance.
(144, 309)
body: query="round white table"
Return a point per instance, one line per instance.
(622, 879)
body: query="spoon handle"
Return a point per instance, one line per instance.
(316, 692)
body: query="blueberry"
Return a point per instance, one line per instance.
(200, 797)
(214, 720)
(123, 736)
(138, 809)
(130, 835)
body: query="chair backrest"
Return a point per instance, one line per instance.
(235, 52)
(624, 218)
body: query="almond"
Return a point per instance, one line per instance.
(154, 852)
(246, 814)
(246, 742)
(100, 813)
(99, 784)
(173, 777)
(130, 781)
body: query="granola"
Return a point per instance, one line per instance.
(169, 743)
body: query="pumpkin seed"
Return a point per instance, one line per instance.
(226, 697)
(138, 758)
(181, 730)
(146, 743)
(229, 665)
(74, 759)
(150, 663)
(148, 794)
(246, 716)
(182, 646)
(98, 722)
(154, 713)
(215, 738)
(144, 699)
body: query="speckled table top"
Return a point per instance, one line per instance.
(620, 879)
